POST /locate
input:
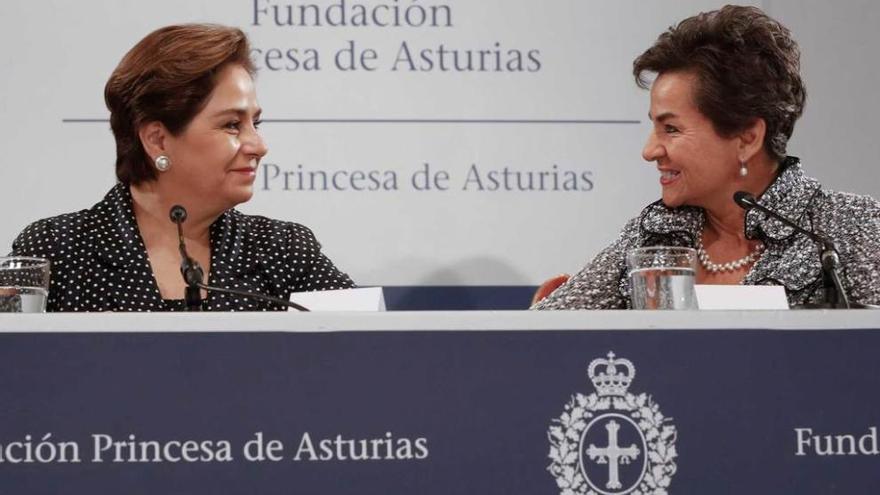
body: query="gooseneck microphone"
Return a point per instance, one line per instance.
(747, 201)
(194, 275)
(835, 296)
(192, 272)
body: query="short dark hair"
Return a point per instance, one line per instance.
(747, 67)
(167, 77)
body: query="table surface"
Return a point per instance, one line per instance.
(446, 320)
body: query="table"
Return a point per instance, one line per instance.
(441, 402)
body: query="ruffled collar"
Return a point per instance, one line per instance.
(791, 194)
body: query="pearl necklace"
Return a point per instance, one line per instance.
(730, 266)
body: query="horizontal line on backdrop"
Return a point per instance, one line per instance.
(411, 121)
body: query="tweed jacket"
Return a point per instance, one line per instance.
(791, 260)
(99, 262)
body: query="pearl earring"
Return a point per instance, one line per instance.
(743, 170)
(163, 163)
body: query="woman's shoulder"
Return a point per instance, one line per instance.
(45, 236)
(262, 225)
(849, 202)
(852, 221)
(264, 233)
(54, 234)
(287, 246)
(844, 208)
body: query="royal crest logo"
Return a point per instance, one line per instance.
(612, 442)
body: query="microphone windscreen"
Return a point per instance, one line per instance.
(177, 214)
(744, 199)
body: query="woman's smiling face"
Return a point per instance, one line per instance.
(697, 166)
(215, 158)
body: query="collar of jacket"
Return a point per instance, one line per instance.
(791, 259)
(118, 237)
(790, 194)
(121, 252)
(233, 256)
(659, 221)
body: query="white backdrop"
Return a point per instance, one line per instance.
(56, 57)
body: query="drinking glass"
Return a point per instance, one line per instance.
(662, 277)
(24, 284)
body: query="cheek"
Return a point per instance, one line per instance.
(234, 144)
(706, 157)
(226, 149)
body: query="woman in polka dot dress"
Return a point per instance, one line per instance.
(185, 116)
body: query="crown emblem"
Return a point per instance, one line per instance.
(611, 381)
(600, 434)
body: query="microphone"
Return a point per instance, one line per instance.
(193, 274)
(747, 201)
(190, 269)
(744, 199)
(178, 214)
(835, 296)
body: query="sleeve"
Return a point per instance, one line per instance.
(315, 271)
(597, 285)
(861, 262)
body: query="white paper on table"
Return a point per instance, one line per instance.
(741, 297)
(360, 299)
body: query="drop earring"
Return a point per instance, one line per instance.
(743, 169)
(163, 163)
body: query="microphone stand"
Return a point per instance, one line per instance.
(253, 295)
(831, 277)
(835, 295)
(193, 274)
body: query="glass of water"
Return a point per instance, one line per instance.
(24, 284)
(662, 277)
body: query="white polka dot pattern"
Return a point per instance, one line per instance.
(99, 262)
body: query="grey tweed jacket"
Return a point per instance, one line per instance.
(790, 259)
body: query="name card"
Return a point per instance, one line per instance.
(361, 299)
(741, 297)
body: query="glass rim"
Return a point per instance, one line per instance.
(639, 259)
(38, 261)
(654, 249)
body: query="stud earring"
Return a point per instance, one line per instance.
(163, 163)
(743, 170)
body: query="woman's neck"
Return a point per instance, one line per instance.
(152, 208)
(725, 218)
(728, 223)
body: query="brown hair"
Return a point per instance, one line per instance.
(167, 77)
(747, 67)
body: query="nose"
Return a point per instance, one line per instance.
(653, 150)
(253, 143)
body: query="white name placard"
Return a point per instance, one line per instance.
(741, 297)
(361, 299)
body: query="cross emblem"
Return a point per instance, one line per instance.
(612, 455)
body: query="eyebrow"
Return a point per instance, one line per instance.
(238, 111)
(663, 116)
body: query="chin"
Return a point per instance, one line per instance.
(239, 196)
(671, 201)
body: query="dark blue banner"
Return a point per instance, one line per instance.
(607, 412)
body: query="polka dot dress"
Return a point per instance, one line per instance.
(99, 262)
